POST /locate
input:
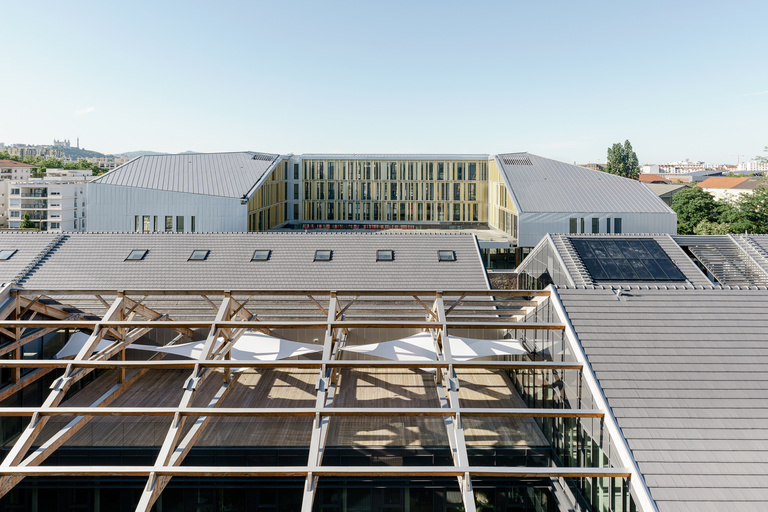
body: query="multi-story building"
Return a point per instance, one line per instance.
(510, 201)
(13, 170)
(25, 150)
(52, 203)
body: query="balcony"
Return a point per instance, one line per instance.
(34, 206)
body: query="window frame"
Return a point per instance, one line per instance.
(379, 253)
(131, 257)
(268, 256)
(317, 254)
(193, 257)
(446, 255)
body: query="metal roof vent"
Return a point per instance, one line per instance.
(517, 160)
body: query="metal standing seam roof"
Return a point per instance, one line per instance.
(685, 373)
(384, 157)
(543, 185)
(87, 261)
(214, 174)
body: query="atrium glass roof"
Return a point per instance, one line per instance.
(627, 259)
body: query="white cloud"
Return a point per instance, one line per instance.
(86, 110)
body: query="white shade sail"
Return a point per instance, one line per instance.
(252, 346)
(75, 344)
(420, 347)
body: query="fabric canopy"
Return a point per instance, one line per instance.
(75, 344)
(251, 346)
(420, 347)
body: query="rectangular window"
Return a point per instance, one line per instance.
(199, 255)
(573, 225)
(472, 171)
(582, 225)
(617, 225)
(154, 222)
(595, 225)
(147, 225)
(295, 190)
(192, 224)
(608, 225)
(136, 255)
(457, 191)
(7, 253)
(446, 256)
(323, 255)
(440, 170)
(456, 211)
(295, 171)
(261, 255)
(296, 211)
(179, 224)
(137, 224)
(472, 192)
(168, 223)
(459, 171)
(385, 255)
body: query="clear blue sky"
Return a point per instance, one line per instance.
(562, 79)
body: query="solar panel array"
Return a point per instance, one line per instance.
(627, 259)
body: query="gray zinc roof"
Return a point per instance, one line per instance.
(384, 156)
(685, 373)
(543, 185)
(215, 174)
(89, 261)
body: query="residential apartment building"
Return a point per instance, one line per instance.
(25, 150)
(53, 204)
(13, 170)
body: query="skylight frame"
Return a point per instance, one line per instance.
(137, 255)
(323, 255)
(446, 255)
(385, 255)
(261, 255)
(199, 255)
(6, 254)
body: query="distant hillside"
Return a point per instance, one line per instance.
(134, 154)
(142, 152)
(78, 153)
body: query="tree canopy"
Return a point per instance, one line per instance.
(622, 161)
(52, 163)
(699, 213)
(26, 223)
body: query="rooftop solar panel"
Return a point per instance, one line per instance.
(626, 259)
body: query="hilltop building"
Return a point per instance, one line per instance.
(510, 201)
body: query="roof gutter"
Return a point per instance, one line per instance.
(636, 481)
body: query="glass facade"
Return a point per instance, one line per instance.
(268, 207)
(395, 191)
(502, 214)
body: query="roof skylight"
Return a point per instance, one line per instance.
(446, 255)
(7, 253)
(199, 255)
(137, 255)
(385, 255)
(323, 255)
(261, 255)
(626, 259)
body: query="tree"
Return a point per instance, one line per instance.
(753, 209)
(694, 205)
(763, 158)
(26, 223)
(622, 161)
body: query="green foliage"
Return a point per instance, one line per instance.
(622, 161)
(700, 214)
(763, 158)
(693, 205)
(26, 223)
(706, 227)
